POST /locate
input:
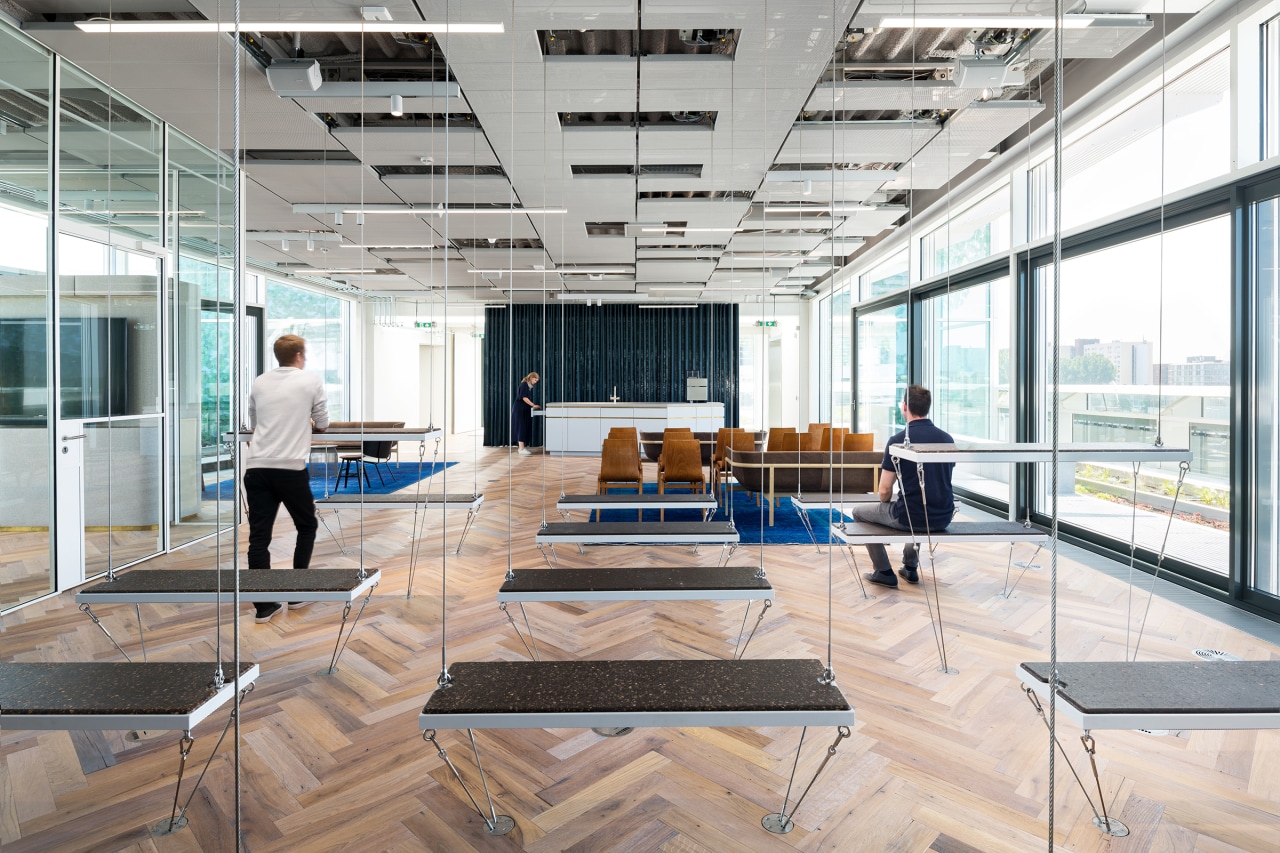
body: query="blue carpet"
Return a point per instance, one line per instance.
(786, 530)
(402, 474)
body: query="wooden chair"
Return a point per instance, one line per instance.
(632, 435)
(682, 463)
(776, 435)
(859, 442)
(718, 455)
(813, 437)
(619, 467)
(672, 434)
(788, 441)
(832, 438)
(739, 441)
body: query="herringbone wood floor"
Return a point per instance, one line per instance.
(947, 763)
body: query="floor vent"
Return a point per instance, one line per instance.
(1214, 654)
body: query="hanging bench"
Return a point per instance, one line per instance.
(1153, 696)
(694, 583)
(841, 503)
(694, 533)
(416, 502)
(1039, 452)
(864, 533)
(110, 696)
(204, 586)
(667, 500)
(1163, 695)
(614, 696)
(654, 693)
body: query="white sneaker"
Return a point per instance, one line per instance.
(524, 451)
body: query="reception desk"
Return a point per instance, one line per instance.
(579, 428)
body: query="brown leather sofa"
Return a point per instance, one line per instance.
(782, 473)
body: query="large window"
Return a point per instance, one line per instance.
(966, 364)
(325, 322)
(834, 365)
(887, 276)
(1144, 351)
(1187, 129)
(882, 370)
(1271, 88)
(1265, 571)
(976, 233)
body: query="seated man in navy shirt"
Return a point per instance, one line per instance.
(909, 511)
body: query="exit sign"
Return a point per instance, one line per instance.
(424, 325)
(767, 323)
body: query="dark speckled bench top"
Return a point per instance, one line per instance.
(201, 585)
(624, 584)
(667, 500)
(1179, 687)
(533, 694)
(649, 532)
(860, 532)
(398, 499)
(179, 690)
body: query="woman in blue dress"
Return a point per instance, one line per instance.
(522, 413)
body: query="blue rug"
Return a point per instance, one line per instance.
(402, 474)
(787, 528)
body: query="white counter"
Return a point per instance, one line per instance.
(579, 428)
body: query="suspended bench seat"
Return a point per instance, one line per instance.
(110, 696)
(204, 586)
(863, 533)
(693, 583)
(841, 503)
(694, 533)
(620, 693)
(404, 500)
(667, 500)
(614, 696)
(104, 696)
(422, 434)
(1163, 695)
(1120, 451)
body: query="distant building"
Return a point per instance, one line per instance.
(1198, 370)
(1132, 359)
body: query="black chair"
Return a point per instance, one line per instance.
(375, 452)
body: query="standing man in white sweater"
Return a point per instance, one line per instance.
(285, 406)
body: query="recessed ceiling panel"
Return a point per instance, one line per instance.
(890, 95)
(455, 189)
(674, 271)
(401, 146)
(856, 141)
(968, 134)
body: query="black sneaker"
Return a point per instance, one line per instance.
(909, 575)
(267, 612)
(886, 579)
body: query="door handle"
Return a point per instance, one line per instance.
(74, 437)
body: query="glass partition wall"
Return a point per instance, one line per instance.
(26, 311)
(115, 386)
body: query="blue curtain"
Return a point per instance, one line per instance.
(582, 352)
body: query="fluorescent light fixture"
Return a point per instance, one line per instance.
(317, 236)
(424, 210)
(669, 228)
(335, 271)
(145, 27)
(397, 105)
(603, 297)
(831, 210)
(562, 270)
(667, 307)
(1012, 22)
